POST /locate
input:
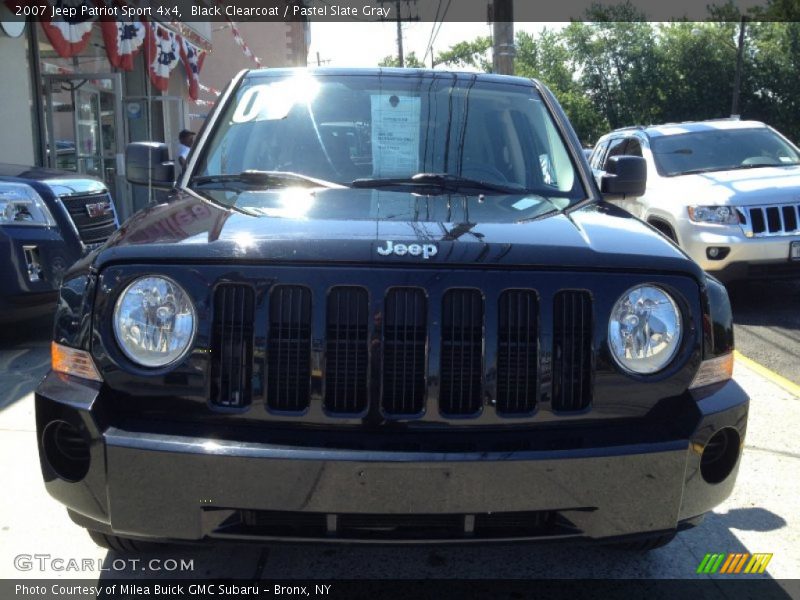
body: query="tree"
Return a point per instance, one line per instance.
(474, 54)
(411, 61)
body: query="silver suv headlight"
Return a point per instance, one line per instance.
(20, 204)
(154, 321)
(644, 331)
(721, 215)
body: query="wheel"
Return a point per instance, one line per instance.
(123, 545)
(645, 544)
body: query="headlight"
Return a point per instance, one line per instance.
(154, 321)
(21, 205)
(645, 329)
(721, 215)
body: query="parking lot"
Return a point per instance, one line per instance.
(761, 516)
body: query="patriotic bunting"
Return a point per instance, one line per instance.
(163, 55)
(123, 40)
(68, 36)
(192, 58)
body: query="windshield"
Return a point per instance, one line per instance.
(721, 150)
(394, 132)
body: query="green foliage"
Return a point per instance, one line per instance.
(411, 61)
(619, 70)
(474, 54)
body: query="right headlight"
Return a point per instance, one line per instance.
(20, 204)
(720, 215)
(644, 331)
(154, 321)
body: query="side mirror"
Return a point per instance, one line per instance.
(624, 176)
(148, 163)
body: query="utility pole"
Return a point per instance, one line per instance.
(399, 36)
(398, 18)
(501, 15)
(737, 80)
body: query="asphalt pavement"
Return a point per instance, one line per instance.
(766, 315)
(761, 515)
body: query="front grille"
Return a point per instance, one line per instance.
(462, 352)
(406, 526)
(374, 355)
(404, 333)
(347, 350)
(517, 345)
(572, 350)
(765, 221)
(94, 228)
(232, 346)
(289, 348)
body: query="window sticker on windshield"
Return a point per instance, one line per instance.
(395, 135)
(264, 103)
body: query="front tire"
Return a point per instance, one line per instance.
(122, 545)
(645, 544)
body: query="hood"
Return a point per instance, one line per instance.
(739, 187)
(347, 227)
(62, 183)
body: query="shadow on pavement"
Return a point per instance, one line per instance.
(766, 303)
(24, 358)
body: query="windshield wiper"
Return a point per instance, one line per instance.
(444, 181)
(262, 179)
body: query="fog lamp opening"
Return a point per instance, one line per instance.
(720, 455)
(717, 252)
(66, 449)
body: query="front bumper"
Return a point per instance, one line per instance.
(165, 486)
(747, 258)
(33, 261)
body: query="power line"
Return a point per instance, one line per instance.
(429, 47)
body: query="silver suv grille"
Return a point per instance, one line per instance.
(764, 221)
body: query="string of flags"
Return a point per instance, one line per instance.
(125, 39)
(237, 36)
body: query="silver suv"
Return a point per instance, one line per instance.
(727, 191)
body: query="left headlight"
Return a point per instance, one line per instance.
(20, 204)
(644, 331)
(154, 321)
(720, 215)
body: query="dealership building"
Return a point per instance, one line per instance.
(73, 95)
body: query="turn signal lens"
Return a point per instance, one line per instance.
(79, 363)
(712, 371)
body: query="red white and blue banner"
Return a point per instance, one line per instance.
(163, 54)
(192, 58)
(68, 35)
(123, 40)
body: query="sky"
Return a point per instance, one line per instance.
(365, 44)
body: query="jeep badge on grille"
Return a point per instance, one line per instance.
(424, 250)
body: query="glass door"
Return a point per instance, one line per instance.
(84, 128)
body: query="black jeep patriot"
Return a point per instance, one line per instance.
(388, 306)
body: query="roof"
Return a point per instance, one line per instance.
(394, 71)
(692, 126)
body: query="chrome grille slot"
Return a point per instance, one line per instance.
(347, 350)
(764, 221)
(572, 350)
(289, 348)
(232, 346)
(517, 352)
(461, 352)
(404, 336)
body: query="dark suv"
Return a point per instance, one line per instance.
(389, 305)
(48, 220)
